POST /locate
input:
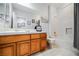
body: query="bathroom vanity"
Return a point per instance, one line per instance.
(16, 42)
(22, 44)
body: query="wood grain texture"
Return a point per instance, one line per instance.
(8, 49)
(22, 45)
(23, 48)
(43, 44)
(35, 45)
(43, 35)
(13, 38)
(35, 36)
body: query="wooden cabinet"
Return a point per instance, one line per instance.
(8, 49)
(13, 38)
(43, 35)
(23, 48)
(35, 45)
(35, 36)
(43, 41)
(22, 45)
(43, 44)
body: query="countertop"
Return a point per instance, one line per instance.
(18, 32)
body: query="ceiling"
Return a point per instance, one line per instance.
(37, 7)
(45, 5)
(59, 5)
(23, 8)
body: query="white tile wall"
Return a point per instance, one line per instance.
(60, 19)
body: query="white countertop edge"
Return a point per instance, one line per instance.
(19, 33)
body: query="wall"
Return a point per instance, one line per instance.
(60, 19)
(65, 16)
(66, 20)
(52, 13)
(42, 10)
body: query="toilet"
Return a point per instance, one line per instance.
(51, 41)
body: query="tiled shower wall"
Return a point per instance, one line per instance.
(60, 19)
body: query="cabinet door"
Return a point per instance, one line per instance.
(43, 44)
(35, 45)
(43, 35)
(8, 49)
(23, 48)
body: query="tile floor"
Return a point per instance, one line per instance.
(57, 52)
(65, 49)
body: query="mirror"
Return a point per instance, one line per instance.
(30, 14)
(14, 15)
(2, 11)
(22, 17)
(4, 15)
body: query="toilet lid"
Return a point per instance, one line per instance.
(51, 38)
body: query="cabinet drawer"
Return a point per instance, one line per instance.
(35, 36)
(22, 37)
(43, 35)
(13, 38)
